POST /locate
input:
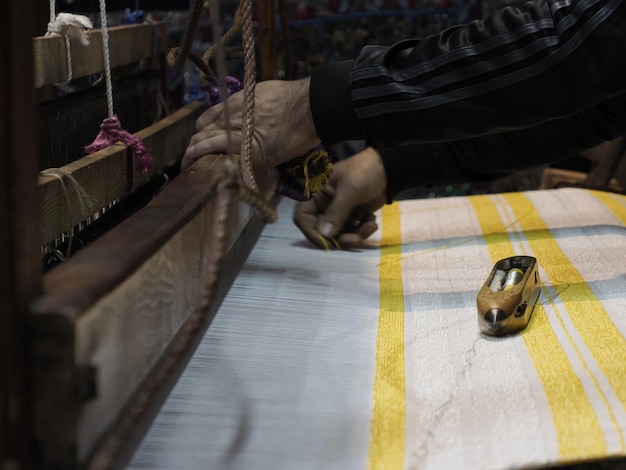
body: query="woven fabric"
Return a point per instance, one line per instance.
(373, 359)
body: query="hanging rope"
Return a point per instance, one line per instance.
(111, 129)
(223, 40)
(249, 86)
(107, 56)
(177, 55)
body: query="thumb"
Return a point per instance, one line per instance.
(334, 218)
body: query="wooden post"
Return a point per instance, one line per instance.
(20, 270)
(605, 159)
(267, 44)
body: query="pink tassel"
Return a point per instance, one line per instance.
(110, 132)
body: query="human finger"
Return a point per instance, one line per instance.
(338, 212)
(305, 217)
(354, 237)
(218, 144)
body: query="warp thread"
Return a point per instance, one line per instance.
(421, 454)
(85, 203)
(110, 132)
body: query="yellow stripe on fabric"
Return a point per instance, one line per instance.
(614, 202)
(604, 341)
(387, 439)
(577, 427)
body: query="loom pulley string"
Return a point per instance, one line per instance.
(111, 129)
(85, 203)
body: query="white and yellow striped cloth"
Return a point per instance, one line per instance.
(373, 359)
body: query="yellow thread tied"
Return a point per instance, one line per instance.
(387, 430)
(310, 171)
(577, 427)
(326, 244)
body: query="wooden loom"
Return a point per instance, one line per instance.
(90, 349)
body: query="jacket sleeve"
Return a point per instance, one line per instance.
(524, 65)
(495, 155)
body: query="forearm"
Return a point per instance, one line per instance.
(521, 67)
(496, 155)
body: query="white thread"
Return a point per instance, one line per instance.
(107, 61)
(421, 454)
(85, 201)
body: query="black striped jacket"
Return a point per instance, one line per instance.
(531, 84)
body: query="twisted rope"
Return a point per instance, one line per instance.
(111, 129)
(177, 55)
(107, 59)
(227, 37)
(249, 86)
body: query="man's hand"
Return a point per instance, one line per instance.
(283, 125)
(342, 213)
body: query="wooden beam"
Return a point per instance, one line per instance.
(268, 61)
(20, 269)
(605, 159)
(116, 322)
(128, 44)
(110, 174)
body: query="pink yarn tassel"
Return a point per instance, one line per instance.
(110, 132)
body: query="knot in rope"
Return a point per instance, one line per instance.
(110, 132)
(72, 26)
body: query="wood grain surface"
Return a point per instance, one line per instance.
(50, 59)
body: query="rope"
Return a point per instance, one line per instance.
(224, 39)
(111, 129)
(177, 55)
(107, 59)
(249, 86)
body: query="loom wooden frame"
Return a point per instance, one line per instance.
(111, 173)
(52, 357)
(107, 316)
(50, 59)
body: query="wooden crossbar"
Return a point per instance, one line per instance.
(110, 174)
(128, 44)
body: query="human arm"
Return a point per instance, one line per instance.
(522, 66)
(335, 213)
